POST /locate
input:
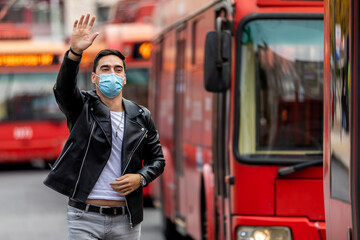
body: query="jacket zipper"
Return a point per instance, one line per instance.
(83, 161)
(60, 159)
(132, 153)
(131, 224)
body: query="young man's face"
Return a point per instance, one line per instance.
(107, 65)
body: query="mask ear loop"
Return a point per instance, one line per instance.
(94, 85)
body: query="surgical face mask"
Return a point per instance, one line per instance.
(110, 84)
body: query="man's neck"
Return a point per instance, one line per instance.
(115, 104)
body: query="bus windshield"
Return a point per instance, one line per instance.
(136, 85)
(281, 88)
(28, 96)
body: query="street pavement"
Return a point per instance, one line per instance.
(31, 211)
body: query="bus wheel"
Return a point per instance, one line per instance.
(204, 225)
(169, 229)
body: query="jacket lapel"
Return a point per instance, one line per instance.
(132, 132)
(101, 113)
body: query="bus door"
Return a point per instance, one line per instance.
(179, 112)
(338, 179)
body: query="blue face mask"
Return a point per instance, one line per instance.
(110, 84)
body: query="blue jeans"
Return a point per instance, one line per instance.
(84, 225)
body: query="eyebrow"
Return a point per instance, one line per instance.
(108, 66)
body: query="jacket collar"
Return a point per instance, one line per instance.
(131, 109)
(101, 113)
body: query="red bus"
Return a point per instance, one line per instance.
(341, 118)
(32, 127)
(236, 91)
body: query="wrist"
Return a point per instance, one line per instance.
(76, 52)
(142, 181)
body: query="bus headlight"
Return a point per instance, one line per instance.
(263, 233)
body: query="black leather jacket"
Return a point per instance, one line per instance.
(88, 147)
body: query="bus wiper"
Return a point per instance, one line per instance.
(297, 167)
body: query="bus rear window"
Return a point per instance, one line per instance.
(281, 87)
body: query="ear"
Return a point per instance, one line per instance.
(93, 78)
(124, 81)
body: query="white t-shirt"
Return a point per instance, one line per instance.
(112, 170)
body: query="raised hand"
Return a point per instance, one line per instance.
(81, 37)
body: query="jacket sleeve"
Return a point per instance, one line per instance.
(66, 92)
(154, 161)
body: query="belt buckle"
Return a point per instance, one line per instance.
(101, 210)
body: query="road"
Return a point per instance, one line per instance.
(29, 210)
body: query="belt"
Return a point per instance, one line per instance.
(103, 210)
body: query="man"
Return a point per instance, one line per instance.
(100, 168)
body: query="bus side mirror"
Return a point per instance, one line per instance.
(217, 62)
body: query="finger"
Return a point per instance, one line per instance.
(91, 24)
(121, 189)
(118, 187)
(86, 19)
(122, 177)
(120, 181)
(124, 188)
(123, 194)
(94, 36)
(115, 184)
(75, 24)
(81, 20)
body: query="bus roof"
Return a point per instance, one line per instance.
(31, 46)
(169, 12)
(117, 34)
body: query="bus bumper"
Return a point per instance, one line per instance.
(300, 227)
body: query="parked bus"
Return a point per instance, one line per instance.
(32, 127)
(341, 118)
(236, 91)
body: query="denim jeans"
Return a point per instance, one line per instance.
(89, 225)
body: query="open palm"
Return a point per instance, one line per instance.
(81, 37)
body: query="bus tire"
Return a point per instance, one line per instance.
(204, 225)
(170, 231)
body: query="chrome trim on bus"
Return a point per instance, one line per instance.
(82, 164)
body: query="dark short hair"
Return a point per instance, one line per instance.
(107, 52)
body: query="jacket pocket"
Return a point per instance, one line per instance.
(58, 161)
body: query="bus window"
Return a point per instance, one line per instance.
(136, 85)
(281, 87)
(29, 96)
